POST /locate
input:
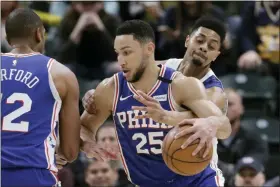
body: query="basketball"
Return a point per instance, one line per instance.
(180, 160)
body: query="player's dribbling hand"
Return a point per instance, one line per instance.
(152, 109)
(201, 130)
(88, 102)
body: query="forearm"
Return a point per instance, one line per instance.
(223, 126)
(174, 117)
(87, 135)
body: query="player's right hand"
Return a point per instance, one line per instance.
(88, 102)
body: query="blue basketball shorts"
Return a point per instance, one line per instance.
(28, 177)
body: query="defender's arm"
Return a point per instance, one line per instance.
(194, 97)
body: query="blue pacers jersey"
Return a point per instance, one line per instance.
(30, 106)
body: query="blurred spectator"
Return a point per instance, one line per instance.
(101, 173)
(260, 39)
(249, 171)
(241, 141)
(106, 135)
(86, 39)
(6, 8)
(260, 36)
(177, 23)
(152, 13)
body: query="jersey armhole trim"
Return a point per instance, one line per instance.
(51, 82)
(116, 94)
(173, 105)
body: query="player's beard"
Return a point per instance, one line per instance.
(138, 74)
(197, 62)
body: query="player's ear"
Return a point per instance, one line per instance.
(187, 41)
(150, 48)
(38, 35)
(217, 53)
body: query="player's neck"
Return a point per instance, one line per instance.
(191, 70)
(148, 79)
(21, 49)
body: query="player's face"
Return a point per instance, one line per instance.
(203, 46)
(131, 57)
(100, 173)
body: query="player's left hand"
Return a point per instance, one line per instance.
(60, 161)
(152, 107)
(202, 130)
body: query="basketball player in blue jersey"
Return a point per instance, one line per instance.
(203, 47)
(39, 99)
(140, 139)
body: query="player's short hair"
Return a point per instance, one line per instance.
(140, 30)
(211, 23)
(22, 23)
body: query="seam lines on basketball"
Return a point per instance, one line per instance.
(183, 160)
(168, 148)
(177, 168)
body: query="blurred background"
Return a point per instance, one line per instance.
(248, 68)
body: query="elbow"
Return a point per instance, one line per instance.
(226, 132)
(71, 153)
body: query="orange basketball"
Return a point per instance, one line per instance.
(180, 160)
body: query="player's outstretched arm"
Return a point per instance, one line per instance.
(194, 97)
(154, 110)
(103, 102)
(69, 118)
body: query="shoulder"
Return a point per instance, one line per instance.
(105, 92)
(106, 88)
(173, 63)
(210, 80)
(108, 83)
(187, 85)
(61, 71)
(181, 80)
(64, 79)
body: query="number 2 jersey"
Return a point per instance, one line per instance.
(30, 105)
(140, 140)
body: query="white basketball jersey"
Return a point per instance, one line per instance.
(209, 80)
